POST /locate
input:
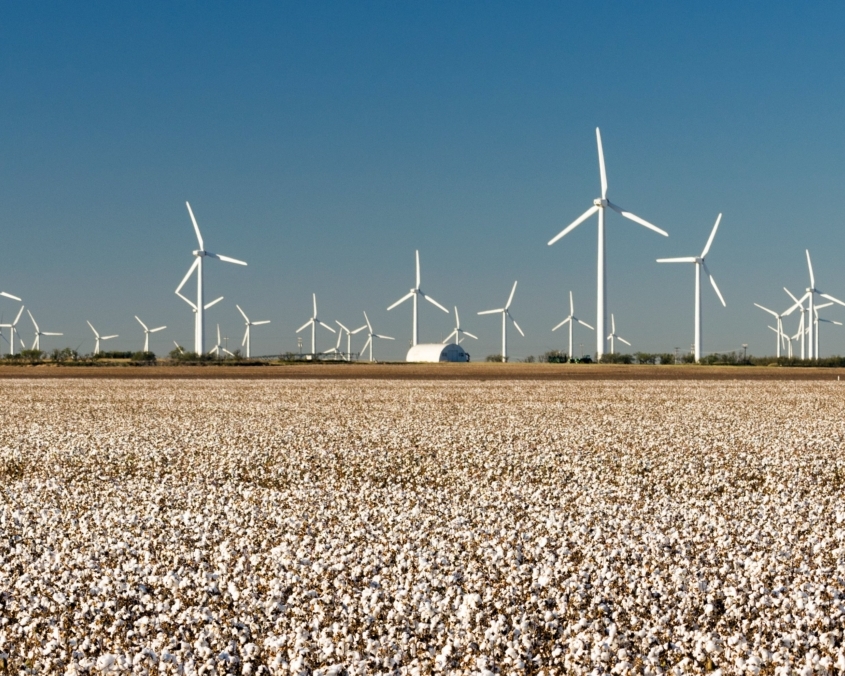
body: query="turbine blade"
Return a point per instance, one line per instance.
(305, 325)
(367, 319)
(142, 323)
(367, 344)
(467, 333)
(52, 334)
(490, 312)
(771, 312)
(214, 302)
(685, 259)
(622, 340)
(562, 323)
(633, 217)
(341, 326)
(829, 297)
(32, 319)
(516, 325)
(325, 326)
(713, 283)
(418, 268)
(376, 335)
(797, 302)
(185, 278)
(160, 328)
(8, 295)
(358, 330)
(107, 337)
(401, 300)
(578, 221)
(457, 318)
(449, 337)
(583, 323)
(242, 312)
(196, 227)
(510, 298)
(265, 321)
(434, 302)
(601, 165)
(712, 235)
(92, 328)
(810, 266)
(225, 259)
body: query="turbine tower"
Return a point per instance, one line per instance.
(599, 206)
(812, 291)
(505, 316)
(699, 264)
(245, 341)
(200, 305)
(98, 338)
(571, 319)
(370, 335)
(613, 337)
(147, 333)
(36, 344)
(313, 324)
(413, 293)
(458, 332)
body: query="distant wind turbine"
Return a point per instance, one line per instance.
(505, 316)
(200, 306)
(249, 324)
(414, 293)
(370, 335)
(98, 338)
(147, 332)
(599, 206)
(571, 319)
(458, 332)
(36, 344)
(612, 336)
(313, 324)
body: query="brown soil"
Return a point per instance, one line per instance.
(477, 371)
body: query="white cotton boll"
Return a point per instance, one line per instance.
(106, 662)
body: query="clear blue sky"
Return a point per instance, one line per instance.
(324, 142)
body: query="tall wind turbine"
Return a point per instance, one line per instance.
(812, 291)
(349, 335)
(36, 344)
(147, 332)
(413, 293)
(245, 341)
(571, 319)
(458, 332)
(98, 338)
(313, 324)
(218, 347)
(599, 206)
(505, 316)
(779, 321)
(613, 337)
(200, 305)
(370, 335)
(699, 264)
(13, 331)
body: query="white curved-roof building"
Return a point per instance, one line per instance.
(436, 352)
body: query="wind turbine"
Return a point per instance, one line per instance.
(458, 332)
(800, 304)
(779, 320)
(13, 331)
(370, 335)
(245, 341)
(218, 347)
(98, 338)
(313, 324)
(570, 320)
(200, 305)
(413, 293)
(599, 206)
(147, 333)
(36, 344)
(812, 291)
(612, 336)
(349, 335)
(505, 316)
(699, 264)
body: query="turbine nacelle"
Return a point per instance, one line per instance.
(600, 202)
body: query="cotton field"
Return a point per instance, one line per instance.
(364, 527)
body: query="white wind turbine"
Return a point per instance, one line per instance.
(147, 332)
(245, 341)
(98, 338)
(200, 306)
(13, 331)
(799, 304)
(313, 324)
(599, 206)
(414, 293)
(571, 319)
(349, 335)
(36, 344)
(370, 335)
(699, 264)
(613, 337)
(812, 291)
(779, 321)
(458, 332)
(505, 316)
(218, 347)
(6, 326)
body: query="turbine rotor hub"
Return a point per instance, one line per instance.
(600, 202)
